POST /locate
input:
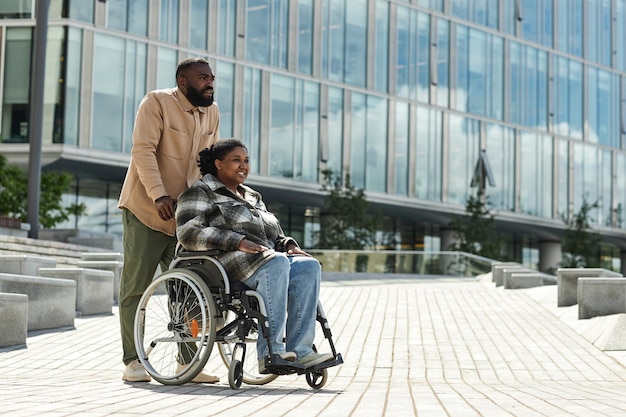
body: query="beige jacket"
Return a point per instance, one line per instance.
(169, 133)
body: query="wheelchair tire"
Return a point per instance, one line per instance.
(176, 316)
(251, 376)
(317, 379)
(235, 374)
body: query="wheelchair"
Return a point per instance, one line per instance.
(192, 306)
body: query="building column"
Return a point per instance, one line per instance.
(549, 255)
(622, 258)
(446, 239)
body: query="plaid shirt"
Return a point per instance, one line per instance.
(210, 216)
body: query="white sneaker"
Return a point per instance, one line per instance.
(135, 372)
(201, 378)
(288, 356)
(314, 358)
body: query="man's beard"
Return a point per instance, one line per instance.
(196, 97)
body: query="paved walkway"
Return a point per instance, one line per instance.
(411, 347)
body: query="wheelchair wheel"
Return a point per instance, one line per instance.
(317, 379)
(249, 364)
(175, 327)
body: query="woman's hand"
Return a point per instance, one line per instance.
(295, 250)
(246, 245)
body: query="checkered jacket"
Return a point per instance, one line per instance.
(209, 216)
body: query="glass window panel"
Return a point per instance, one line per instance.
(603, 107)
(16, 88)
(590, 180)
(479, 73)
(620, 35)
(138, 17)
(535, 174)
(333, 39)
(563, 179)
(166, 68)
(168, 21)
(134, 88)
(17, 9)
(226, 27)
(258, 25)
(443, 63)
(251, 119)
(463, 152)
(528, 84)
(198, 24)
(423, 58)
(500, 149)
(280, 30)
(308, 131)
(599, 23)
(305, 36)
(382, 45)
(266, 31)
(483, 12)
(335, 131)
(53, 107)
(431, 4)
(117, 14)
(403, 64)
(282, 126)
(224, 95)
(72, 85)
(358, 137)
(401, 149)
(81, 10)
(568, 97)
(620, 190)
(356, 43)
(428, 153)
(376, 150)
(108, 93)
(537, 21)
(570, 26)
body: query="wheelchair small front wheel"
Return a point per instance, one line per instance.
(235, 374)
(317, 379)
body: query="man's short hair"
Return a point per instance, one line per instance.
(186, 63)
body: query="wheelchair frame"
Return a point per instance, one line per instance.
(192, 306)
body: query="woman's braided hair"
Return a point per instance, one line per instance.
(218, 150)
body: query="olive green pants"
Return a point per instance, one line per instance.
(144, 250)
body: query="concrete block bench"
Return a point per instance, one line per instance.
(496, 271)
(94, 288)
(24, 264)
(567, 282)
(102, 256)
(51, 301)
(599, 296)
(113, 266)
(518, 280)
(14, 323)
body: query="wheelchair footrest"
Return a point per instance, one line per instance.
(279, 366)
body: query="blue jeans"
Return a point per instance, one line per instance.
(289, 287)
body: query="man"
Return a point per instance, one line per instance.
(171, 127)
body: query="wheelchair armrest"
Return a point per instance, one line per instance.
(192, 254)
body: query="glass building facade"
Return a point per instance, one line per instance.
(402, 95)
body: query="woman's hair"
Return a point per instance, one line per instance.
(218, 150)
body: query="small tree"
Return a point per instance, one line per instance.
(14, 193)
(580, 244)
(476, 232)
(345, 220)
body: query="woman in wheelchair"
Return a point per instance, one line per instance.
(220, 212)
